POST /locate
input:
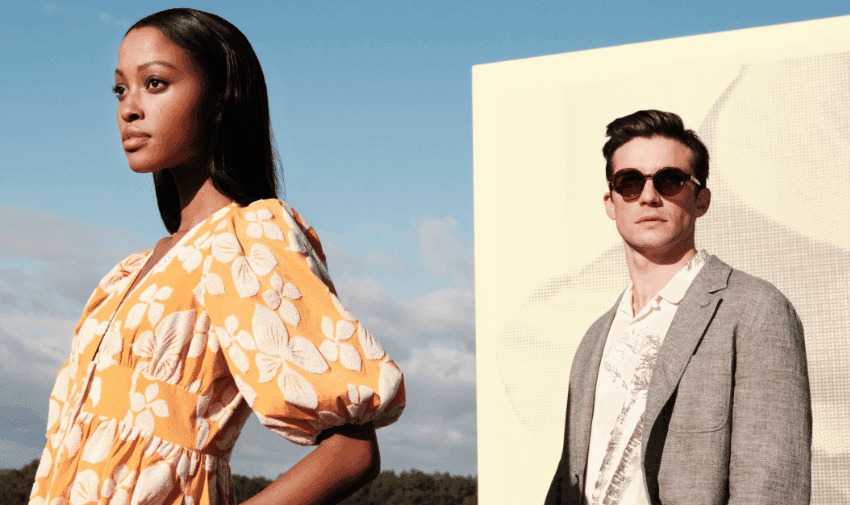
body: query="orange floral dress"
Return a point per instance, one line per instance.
(240, 315)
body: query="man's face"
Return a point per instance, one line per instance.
(655, 226)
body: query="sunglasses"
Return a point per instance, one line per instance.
(667, 181)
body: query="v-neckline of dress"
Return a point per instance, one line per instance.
(167, 257)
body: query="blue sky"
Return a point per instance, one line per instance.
(371, 107)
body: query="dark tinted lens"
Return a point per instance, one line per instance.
(669, 181)
(629, 183)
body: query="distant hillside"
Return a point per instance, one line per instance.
(407, 488)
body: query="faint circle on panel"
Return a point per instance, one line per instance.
(536, 346)
(783, 143)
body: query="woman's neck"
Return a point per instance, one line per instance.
(199, 198)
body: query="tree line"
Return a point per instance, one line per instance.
(406, 488)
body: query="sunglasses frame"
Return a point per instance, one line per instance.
(687, 178)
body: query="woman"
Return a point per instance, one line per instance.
(233, 312)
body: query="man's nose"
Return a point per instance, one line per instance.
(649, 196)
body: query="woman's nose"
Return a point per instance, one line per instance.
(129, 109)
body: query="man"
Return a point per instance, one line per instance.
(693, 388)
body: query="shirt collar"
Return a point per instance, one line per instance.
(676, 287)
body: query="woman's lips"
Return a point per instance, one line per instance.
(133, 139)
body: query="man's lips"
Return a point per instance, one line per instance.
(650, 219)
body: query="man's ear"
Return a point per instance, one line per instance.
(609, 205)
(703, 201)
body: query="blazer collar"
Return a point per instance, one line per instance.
(687, 328)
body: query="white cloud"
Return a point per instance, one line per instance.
(34, 235)
(444, 315)
(41, 337)
(441, 365)
(445, 252)
(387, 263)
(443, 310)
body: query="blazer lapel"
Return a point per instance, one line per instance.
(687, 328)
(585, 372)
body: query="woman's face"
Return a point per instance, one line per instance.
(162, 109)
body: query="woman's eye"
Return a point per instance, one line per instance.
(156, 83)
(118, 90)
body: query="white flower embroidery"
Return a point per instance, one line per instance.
(225, 247)
(334, 348)
(210, 282)
(148, 302)
(371, 348)
(261, 259)
(245, 269)
(259, 225)
(154, 485)
(191, 255)
(247, 391)
(100, 442)
(228, 335)
(111, 345)
(348, 316)
(147, 407)
(45, 464)
(247, 284)
(84, 489)
(319, 268)
(326, 420)
(276, 298)
(117, 488)
(85, 335)
(120, 273)
(164, 347)
(297, 241)
(290, 432)
(199, 340)
(276, 348)
(94, 391)
(73, 440)
(389, 381)
(359, 398)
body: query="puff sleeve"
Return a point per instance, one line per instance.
(298, 356)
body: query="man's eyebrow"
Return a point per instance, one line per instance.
(148, 64)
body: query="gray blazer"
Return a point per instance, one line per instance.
(728, 416)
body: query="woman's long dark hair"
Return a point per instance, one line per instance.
(242, 159)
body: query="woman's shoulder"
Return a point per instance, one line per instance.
(269, 224)
(123, 271)
(271, 211)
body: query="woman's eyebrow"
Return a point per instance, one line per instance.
(148, 64)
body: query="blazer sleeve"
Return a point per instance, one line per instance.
(770, 459)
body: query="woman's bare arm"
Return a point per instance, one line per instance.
(346, 459)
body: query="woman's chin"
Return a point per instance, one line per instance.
(143, 168)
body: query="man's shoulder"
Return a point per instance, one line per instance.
(740, 284)
(742, 291)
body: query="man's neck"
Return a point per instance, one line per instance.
(649, 276)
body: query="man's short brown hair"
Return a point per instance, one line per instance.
(649, 123)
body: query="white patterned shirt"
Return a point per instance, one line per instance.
(614, 473)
